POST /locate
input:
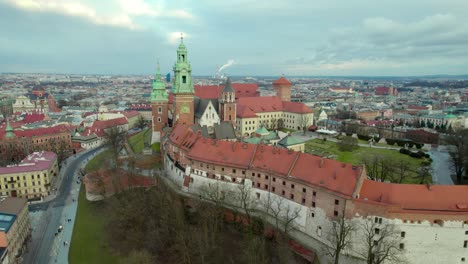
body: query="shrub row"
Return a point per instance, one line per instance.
(403, 142)
(412, 154)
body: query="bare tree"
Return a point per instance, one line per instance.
(381, 242)
(243, 195)
(282, 211)
(458, 146)
(115, 139)
(378, 167)
(340, 237)
(304, 122)
(400, 171)
(141, 123)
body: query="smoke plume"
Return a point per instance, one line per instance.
(228, 64)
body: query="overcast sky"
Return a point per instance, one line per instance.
(262, 37)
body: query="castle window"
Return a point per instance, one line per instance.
(258, 184)
(233, 170)
(337, 202)
(274, 179)
(283, 192)
(377, 231)
(314, 193)
(292, 186)
(291, 196)
(313, 204)
(159, 119)
(159, 109)
(184, 79)
(465, 244)
(304, 190)
(258, 195)
(273, 189)
(402, 246)
(266, 186)
(403, 234)
(335, 213)
(303, 201)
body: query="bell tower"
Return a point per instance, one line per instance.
(227, 103)
(159, 102)
(182, 88)
(283, 89)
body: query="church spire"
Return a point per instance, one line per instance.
(159, 88)
(9, 130)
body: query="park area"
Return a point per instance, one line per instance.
(359, 155)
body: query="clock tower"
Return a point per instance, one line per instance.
(182, 88)
(159, 102)
(227, 103)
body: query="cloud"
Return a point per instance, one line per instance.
(119, 13)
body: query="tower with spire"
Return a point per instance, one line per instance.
(159, 106)
(227, 103)
(182, 88)
(9, 130)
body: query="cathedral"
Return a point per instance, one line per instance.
(228, 111)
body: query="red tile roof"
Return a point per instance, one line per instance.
(99, 126)
(207, 91)
(38, 131)
(37, 161)
(295, 107)
(228, 153)
(214, 91)
(417, 196)
(131, 113)
(326, 173)
(33, 117)
(248, 106)
(282, 81)
(273, 159)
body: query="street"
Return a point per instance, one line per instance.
(46, 217)
(441, 167)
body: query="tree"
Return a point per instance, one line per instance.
(348, 144)
(244, 196)
(401, 170)
(378, 167)
(60, 147)
(141, 123)
(458, 150)
(280, 124)
(380, 243)
(304, 122)
(282, 211)
(115, 139)
(340, 237)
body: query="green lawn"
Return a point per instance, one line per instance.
(156, 146)
(99, 161)
(137, 141)
(330, 149)
(88, 244)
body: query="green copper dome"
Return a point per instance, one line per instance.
(159, 88)
(9, 131)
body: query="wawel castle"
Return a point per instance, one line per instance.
(429, 222)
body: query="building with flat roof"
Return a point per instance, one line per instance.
(14, 228)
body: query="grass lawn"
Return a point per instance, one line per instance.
(137, 141)
(99, 161)
(330, 149)
(156, 146)
(88, 244)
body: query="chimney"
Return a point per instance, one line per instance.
(429, 186)
(321, 163)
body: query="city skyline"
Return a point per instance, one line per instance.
(315, 39)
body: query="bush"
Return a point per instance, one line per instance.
(348, 144)
(364, 137)
(419, 145)
(416, 155)
(405, 151)
(349, 134)
(377, 139)
(410, 145)
(390, 142)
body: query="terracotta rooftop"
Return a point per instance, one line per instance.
(36, 161)
(282, 81)
(417, 196)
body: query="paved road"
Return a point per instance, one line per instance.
(441, 167)
(48, 216)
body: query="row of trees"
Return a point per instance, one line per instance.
(387, 168)
(458, 150)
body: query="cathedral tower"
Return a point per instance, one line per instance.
(159, 101)
(283, 89)
(182, 88)
(227, 103)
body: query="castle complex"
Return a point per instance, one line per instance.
(233, 105)
(429, 223)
